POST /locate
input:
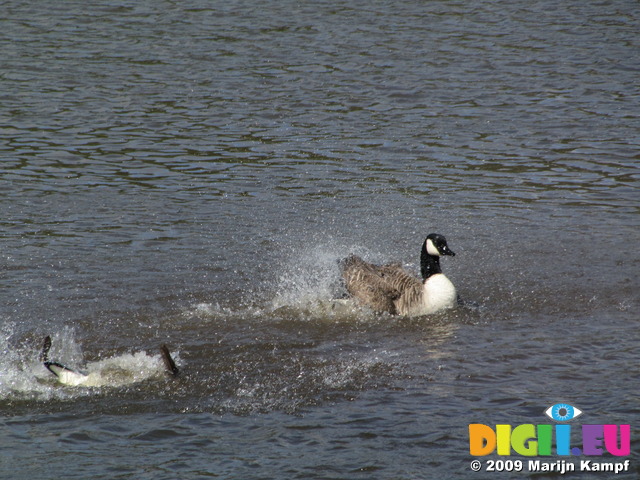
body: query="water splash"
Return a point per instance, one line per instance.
(309, 279)
(17, 366)
(23, 375)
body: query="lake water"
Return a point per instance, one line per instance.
(190, 173)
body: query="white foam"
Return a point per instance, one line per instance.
(122, 370)
(23, 375)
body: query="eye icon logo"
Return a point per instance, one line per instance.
(562, 412)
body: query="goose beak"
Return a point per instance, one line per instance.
(447, 251)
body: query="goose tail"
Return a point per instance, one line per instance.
(353, 263)
(349, 261)
(169, 364)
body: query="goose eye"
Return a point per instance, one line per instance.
(562, 412)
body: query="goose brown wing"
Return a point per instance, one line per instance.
(410, 288)
(398, 278)
(378, 287)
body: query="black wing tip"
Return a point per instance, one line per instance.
(169, 364)
(46, 346)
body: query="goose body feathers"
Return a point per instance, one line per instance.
(389, 288)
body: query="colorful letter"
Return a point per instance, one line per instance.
(592, 436)
(563, 439)
(544, 439)
(482, 439)
(523, 440)
(610, 438)
(503, 432)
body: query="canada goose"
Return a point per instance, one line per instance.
(67, 376)
(390, 288)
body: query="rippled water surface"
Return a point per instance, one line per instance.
(190, 174)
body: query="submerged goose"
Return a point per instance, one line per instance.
(67, 376)
(390, 288)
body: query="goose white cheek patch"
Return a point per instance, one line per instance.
(431, 248)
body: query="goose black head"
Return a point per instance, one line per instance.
(436, 245)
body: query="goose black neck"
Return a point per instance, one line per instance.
(429, 264)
